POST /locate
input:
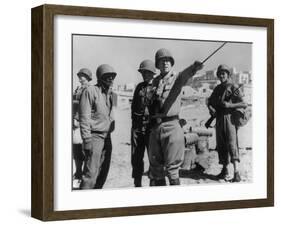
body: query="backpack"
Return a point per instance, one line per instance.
(241, 116)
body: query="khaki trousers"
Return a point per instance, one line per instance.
(166, 150)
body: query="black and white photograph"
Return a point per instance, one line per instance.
(150, 112)
(160, 112)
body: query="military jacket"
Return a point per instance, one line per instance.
(225, 92)
(167, 90)
(95, 111)
(140, 103)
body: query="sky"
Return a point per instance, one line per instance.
(125, 54)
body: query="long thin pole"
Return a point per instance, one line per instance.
(213, 53)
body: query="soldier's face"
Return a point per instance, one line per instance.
(223, 76)
(147, 75)
(108, 79)
(165, 65)
(83, 81)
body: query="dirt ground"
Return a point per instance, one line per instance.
(120, 170)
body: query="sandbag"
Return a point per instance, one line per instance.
(241, 116)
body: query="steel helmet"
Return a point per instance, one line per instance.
(147, 65)
(85, 72)
(223, 67)
(161, 53)
(104, 69)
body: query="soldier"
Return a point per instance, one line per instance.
(85, 76)
(166, 141)
(140, 127)
(96, 123)
(224, 99)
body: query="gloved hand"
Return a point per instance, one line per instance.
(197, 65)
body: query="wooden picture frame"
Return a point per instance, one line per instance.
(43, 111)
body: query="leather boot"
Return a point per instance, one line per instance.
(154, 182)
(223, 174)
(137, 181)
(236, 177)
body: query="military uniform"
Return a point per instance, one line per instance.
(166, 141)
(226, 131)
(140, 129)
(85, 76)
(96, 123)
(77, 146)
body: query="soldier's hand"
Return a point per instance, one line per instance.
(197, 65)
(75, 123)
(226, 104)
(212, 112)
(87, 143)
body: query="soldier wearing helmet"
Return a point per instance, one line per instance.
(97, 123)
(85, 76)
(166, 141)
(140, 127)
(225, 98)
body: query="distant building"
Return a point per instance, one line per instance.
(122, 99)
(247, 91)
(241, 77)
(120, 88)
(190, 96)
(209, 77)
(129, 87)
(250, 77)
(205, 90)
(188, 91)
(233, 71)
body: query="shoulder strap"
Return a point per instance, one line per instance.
(171, 98)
